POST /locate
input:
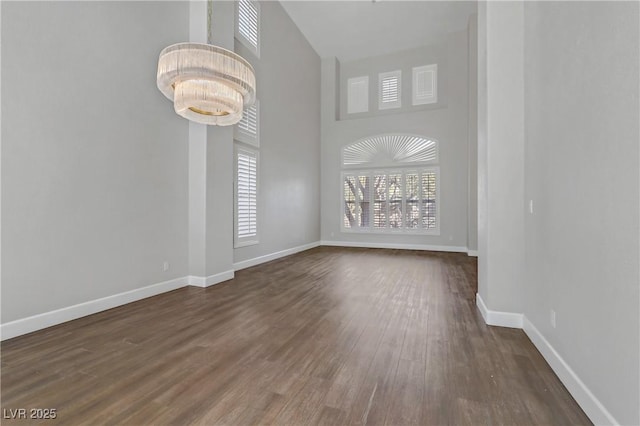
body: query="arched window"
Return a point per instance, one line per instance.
(390, 184)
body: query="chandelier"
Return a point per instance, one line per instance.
(207, 84)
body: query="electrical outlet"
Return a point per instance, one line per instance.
(332, 234)
(165, 266)
(531, 206)
(552, 318)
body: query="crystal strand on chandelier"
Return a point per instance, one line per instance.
(208, 84)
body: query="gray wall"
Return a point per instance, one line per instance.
(94, 160)
(582, 171)
(288, 79)
(445, 121)
(403, 60)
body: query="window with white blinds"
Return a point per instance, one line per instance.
(389, 89)
(425, 84)
(247, 130)
(246, 197)
(248, 24)
(391, 201)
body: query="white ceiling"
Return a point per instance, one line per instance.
(357, 29)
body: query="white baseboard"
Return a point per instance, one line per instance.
(210, 280)
(498, 318)
(592, 407)
(48, 319)
(473, 253)
(394, 246)
(273, 256)
(41, 321)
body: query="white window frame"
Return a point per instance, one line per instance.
(352, 106)
(398, 102)
(253, 239)
(241, 37)
(388, 230)
(247, 137)
(415, 97)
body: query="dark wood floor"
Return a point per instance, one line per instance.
(329, 336)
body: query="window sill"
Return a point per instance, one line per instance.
(241, 244)
(433, 232)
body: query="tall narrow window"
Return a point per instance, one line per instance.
(389, 90)
(349, 191)
(247, 130)
(364, 194)
(246, 196)
(428, 190)
(248, 24)
(395, 200)
(412, 197)
(380, 205)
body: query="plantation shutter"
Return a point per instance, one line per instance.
(389, 90)
(248, 128)
(248, 23)
(246, 197)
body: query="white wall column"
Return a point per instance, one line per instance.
(219, 232)
(211, 166)
(197, 160)
(501, 161)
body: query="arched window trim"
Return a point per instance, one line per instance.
(390, 150)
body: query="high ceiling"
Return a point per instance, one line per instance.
(357, 29)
